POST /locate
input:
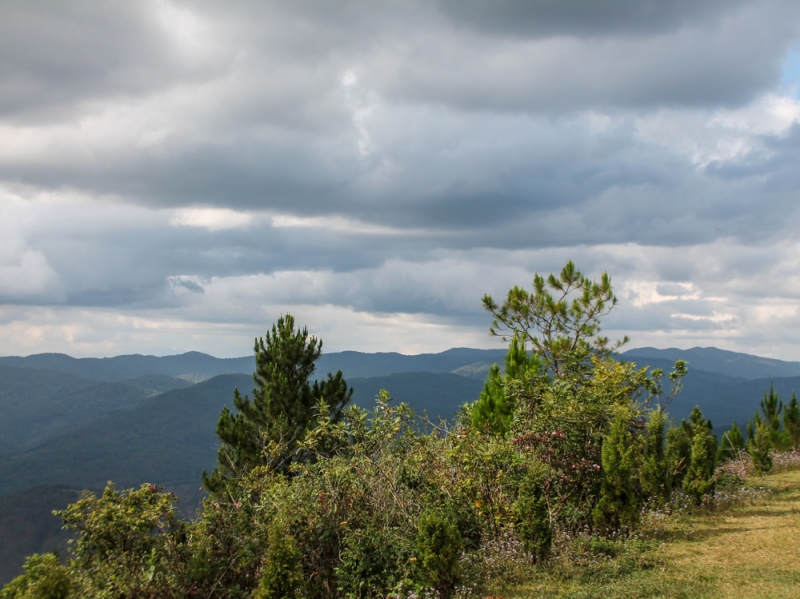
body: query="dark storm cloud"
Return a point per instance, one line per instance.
(56, 55)
(400, 157)
(583, 17)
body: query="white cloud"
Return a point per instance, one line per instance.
(213, 219)
(29, 278)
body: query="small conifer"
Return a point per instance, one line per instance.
(618, 505)
(791, 422)
(760, 448)
(656, 477)
(699, 480)
(732, 443)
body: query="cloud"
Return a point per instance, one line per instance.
(193, 170)
(213, 219)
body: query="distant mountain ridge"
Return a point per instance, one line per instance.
(721, 361)
(361, 365)
(120, 368)
(352, 364)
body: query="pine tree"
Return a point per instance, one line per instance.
(772, 407)
(732, 443)
(699, 480)
(791, 421)
(618, 505)
(267, 430)
(679, 451)
(656, 479)
(760, 448)
(560, 318)
(494, 407)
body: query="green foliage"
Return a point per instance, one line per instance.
(759, 446)
(774, 436)
(374, 562)
(679, 451)
(699, 479)
(282, 575)
(533, 516)
(732, 444)
(44, 578)
(771, 408)
(791, 422)
(561, 317)
(494, 409)
(656, 475)
(438, 548)
(130, 544)
(618, 505)
(268, 430)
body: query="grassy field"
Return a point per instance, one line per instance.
(749, 551)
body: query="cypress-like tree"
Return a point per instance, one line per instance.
(656, 479)
(732, 443)
(679, 451)
(791, 421)
(267, 430)
(699, 478)
(759, 446)
(618, 505)
(771, 407)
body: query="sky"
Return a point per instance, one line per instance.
(174, 176)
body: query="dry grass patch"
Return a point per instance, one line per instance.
(739, 553)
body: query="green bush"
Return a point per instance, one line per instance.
(533, 517)
(438, 549)
(699, 479)
(679, 451)
(282, 576)
(732, 444)
(760, 448)
(375, 562)
(618, 505)
(131, 544)
(44, 578)
(656, 479)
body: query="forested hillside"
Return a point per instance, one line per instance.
(711, 359)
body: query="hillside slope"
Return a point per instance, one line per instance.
(27, 526)
(168, 439)
(722, 398)
(721, 361)
(37, 403)
(440, 394)
(121, 368)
